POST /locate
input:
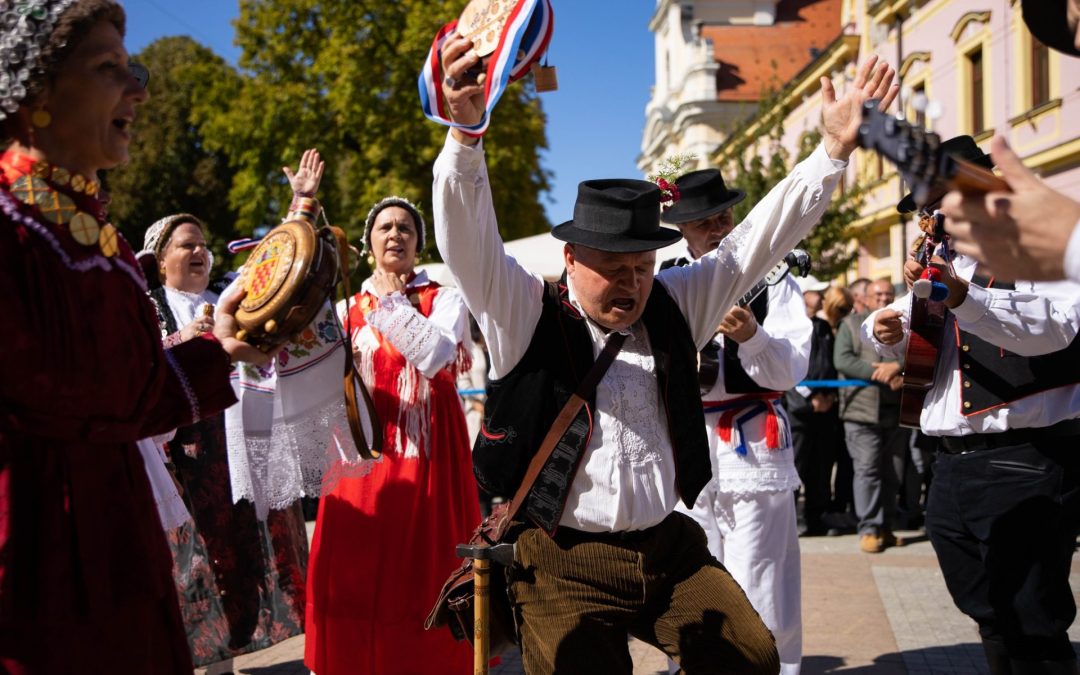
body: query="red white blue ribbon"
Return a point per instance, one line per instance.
(243, 244)
(528, 29)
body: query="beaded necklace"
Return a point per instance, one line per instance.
(53, 191)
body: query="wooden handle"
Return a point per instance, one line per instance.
(973, 179)
(481, 604)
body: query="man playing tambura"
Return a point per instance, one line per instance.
(760, 351)
(617, 559)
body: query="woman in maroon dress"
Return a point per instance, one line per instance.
(85, 582)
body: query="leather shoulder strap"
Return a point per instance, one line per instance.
(558, 428)
(356, 394)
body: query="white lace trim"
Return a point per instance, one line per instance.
(743, 483)
(407, 329)
(290, 462)
(629, 390)
(289, 436)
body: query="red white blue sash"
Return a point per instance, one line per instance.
(528, 30)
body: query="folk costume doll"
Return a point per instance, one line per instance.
(384, 542)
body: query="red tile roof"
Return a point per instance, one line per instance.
(754, 59)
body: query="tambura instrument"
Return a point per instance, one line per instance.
(288, 277)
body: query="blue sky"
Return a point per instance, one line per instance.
(602, 48)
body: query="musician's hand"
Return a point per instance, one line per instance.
(198, 326)
(896, 383)
(912, 272)
(386, 283)
(822, 402)
(464, 95)
(885, 371)
(225, 329)
(739, 325)
(958, 287)
(840, 118)
(308, 175)
(888, 328)
(1019, 235)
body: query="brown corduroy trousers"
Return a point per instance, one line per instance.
(578, 595)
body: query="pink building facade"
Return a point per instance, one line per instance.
(977, 60)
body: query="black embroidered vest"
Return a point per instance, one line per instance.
(736, 379)
(991, 376)
(522, 405)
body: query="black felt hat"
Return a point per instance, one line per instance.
(701, 194)
(617, 215)
(1048, 21)
(963, 147)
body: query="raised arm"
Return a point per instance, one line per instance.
(706, 289)
(500, 293)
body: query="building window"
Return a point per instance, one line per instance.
(1040, 73)
(978, 113)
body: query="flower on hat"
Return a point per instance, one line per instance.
(668, 171)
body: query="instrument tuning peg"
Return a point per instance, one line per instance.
(919, 102)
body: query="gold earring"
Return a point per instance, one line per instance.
(41, 118)
(370, 260)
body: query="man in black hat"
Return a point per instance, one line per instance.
(1032, 232)
(759, 351)
(1004, 505)
(604, 554)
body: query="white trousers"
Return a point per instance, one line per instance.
(757, 540)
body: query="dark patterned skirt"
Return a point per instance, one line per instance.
(241, 581)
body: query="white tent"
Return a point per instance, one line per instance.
(542, 254)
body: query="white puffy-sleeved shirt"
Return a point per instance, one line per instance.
(626, 480)
(776, 357)
(1036, 318)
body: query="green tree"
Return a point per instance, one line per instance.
(172, 169)
(341, 76)
(829, 242)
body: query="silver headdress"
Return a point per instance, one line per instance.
(402, 203)
(25, 27)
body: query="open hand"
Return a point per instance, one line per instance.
(1019, 235)
(308, 176)
(840, 118)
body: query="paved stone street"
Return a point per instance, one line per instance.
(887, 614)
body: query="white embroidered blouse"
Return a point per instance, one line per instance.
(627, 478)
